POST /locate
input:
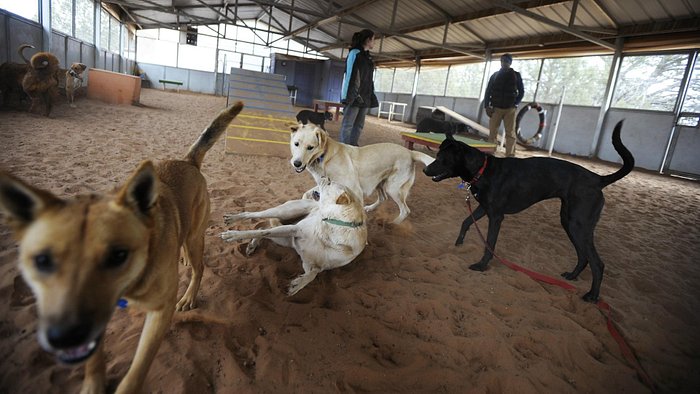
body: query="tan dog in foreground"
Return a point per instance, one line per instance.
(74, 80)
(81, 255)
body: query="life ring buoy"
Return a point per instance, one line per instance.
(542, 113)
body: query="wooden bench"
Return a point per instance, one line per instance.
(328, 105)
(167, 81)
(433, 140)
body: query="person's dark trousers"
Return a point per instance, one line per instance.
(352, 125)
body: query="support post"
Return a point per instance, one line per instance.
(556, 122)
(607, 96)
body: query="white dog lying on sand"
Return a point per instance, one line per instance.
(330, 232)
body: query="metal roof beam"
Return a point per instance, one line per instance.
(482, 14)
(439, 9)
(175, 11)
(395, 34)
(603, 9)
(267, 12)
(126, 11)
(567, 29)
(157, 7)
(599, 30)
(572, 18)
(332, 18)
(218, 12)
(292, 9)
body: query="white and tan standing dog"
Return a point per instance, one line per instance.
(385, 167)
(81, 255)
(74, 80)
(330, 231)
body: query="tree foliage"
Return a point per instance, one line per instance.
(649, 82)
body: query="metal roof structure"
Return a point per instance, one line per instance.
(444, 31)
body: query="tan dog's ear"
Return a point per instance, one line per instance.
(21, 202)
(321, 137)
(343, 199)
(82, 66)
(141, 190)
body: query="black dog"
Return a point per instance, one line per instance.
(509, 185)
(428, 125)
(318, 118)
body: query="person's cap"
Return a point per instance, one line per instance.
(507, 57)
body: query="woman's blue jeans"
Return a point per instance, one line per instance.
(352, 125)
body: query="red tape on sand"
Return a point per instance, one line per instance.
(603, 307)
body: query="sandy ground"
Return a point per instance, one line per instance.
(406, 316)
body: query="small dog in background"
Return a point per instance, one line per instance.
(41, 80)
(74, 80)
(318, 118)
(428, 125)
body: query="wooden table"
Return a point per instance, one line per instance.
(433, 140)
(327, 105)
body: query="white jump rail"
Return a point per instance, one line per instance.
(393, 111)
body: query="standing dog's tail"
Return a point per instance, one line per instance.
(20, 51)
(627, 158)
(421, 157)
(212, 133)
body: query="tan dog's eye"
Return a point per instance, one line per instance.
(116, 257)
(309, 147)
(44, 263)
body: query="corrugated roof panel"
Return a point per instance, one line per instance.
(590, 15)
(631, 12)
(461, 7)
(392, 45)
(459, 34)
(423, 21)
(408, 13)
(682, 9)
(434, 36)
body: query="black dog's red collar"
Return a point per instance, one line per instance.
(480, 173)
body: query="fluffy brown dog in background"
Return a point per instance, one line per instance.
(11, 76)
(41, 81)
(74, 80)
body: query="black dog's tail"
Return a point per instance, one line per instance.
(627, 158)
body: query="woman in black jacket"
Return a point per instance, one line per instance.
(358, 87)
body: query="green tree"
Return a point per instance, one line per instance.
(584, 78)
(649, 82)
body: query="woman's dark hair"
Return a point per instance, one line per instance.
(360, 37)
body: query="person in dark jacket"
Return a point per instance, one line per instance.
(358, 87)
(503, 94)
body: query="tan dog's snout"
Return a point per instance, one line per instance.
(67, 334)
(72, 339)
